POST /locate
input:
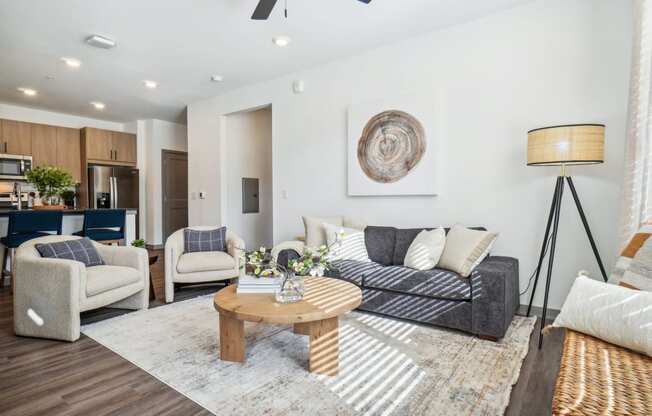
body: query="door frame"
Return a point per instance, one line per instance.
(165, 152)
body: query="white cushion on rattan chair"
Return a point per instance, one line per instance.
(612, 313)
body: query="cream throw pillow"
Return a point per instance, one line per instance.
(465, 249)
(351, 246)
(315, 235)
(426, 249)
(612, 313)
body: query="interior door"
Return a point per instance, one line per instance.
(175, 191)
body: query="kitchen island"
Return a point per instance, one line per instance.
(73, 220)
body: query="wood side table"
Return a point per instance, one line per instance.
(316, 316)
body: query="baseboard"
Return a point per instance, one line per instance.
(538, 311)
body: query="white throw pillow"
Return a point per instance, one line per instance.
(612, 313)
(351, 245)
(315, 236)
(426, 249)
(465, 249)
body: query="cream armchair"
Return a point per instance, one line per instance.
(199, 267)
(50, 293)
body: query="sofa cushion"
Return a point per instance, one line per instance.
(100, 279)
(352, 270)
(205, 261)
(435, 283)
(380, 244)
(345, 243)
(404, 238)
(204, 240)
(80, 249)
(314, 229)
(465, 249)
(426, 249)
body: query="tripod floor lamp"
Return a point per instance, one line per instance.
(575, 144)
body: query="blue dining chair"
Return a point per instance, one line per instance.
(104, 225)
(24, 226)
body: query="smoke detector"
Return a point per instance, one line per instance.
(101, 42)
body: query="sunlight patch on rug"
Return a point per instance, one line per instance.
(387, 367)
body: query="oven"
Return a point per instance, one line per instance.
(14, 167)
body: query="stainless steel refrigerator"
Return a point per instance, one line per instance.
(112, 187)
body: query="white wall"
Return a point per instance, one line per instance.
(156, 136)
(546, 63)
(249, 155)
(32, 115)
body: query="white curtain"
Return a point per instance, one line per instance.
(638, 152)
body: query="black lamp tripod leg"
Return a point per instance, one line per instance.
(586, 227)
(543, 246)
(551, 260)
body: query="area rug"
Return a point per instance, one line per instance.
(387, 367)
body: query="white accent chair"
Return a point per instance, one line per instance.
(200, 267)
(50, 293)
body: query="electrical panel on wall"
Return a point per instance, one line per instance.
(250, 196)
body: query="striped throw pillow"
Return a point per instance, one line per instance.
(633, 268)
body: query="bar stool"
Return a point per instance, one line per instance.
(24, 226)
(106, 226)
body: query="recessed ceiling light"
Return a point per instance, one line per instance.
(150, 84)
(72, 62)
(217, 78)
(100, 42)
(98, 105)
(28, 91)
(281, 41)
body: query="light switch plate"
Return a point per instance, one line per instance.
(202, 195)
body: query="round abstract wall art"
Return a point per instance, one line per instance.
(391, 145)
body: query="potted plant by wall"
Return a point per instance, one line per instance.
(50, 182)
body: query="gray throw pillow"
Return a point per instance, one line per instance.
(81, 250)
(204, 240)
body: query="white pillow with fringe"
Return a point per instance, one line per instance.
(612, 313)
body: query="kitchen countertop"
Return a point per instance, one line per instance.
(4, 212)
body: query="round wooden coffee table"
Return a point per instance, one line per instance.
(316, 315)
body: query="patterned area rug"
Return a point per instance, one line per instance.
(387, 367)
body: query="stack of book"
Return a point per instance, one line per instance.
(253, 284)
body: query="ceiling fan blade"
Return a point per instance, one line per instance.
(263, 9)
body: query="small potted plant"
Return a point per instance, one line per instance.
(50, 182)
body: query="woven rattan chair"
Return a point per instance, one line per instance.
(598, 378)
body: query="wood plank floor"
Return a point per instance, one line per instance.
(40, 377)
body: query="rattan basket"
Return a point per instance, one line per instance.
(598, 378)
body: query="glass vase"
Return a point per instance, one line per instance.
(292, 289)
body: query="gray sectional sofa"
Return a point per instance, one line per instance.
(482, 304)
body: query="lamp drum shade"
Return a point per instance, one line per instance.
(574, 144)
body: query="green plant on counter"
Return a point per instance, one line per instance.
(50, 182)
(138, 243)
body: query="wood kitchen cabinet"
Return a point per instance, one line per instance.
(104, 146)
(69, 151)
(98, 144)
(57, 146)
(124, 147)
(15, 137)
(44, 145)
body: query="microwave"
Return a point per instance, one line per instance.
(14, 167)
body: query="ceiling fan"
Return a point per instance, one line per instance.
(265, 7)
